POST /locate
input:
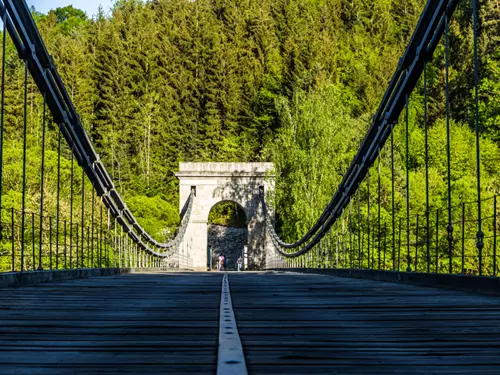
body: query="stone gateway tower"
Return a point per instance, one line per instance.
(225, 182)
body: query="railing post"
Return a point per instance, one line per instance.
(463, 238)
(83, 220)
(358, 227)
(12, 223)
(92, 228)
(379, 193)
(65, 249)
(89, 265)
(385, 243)
(58, 196)
(368, 220)
(494, 235)
(50, 242)
(33, 240)
(399, 245)
(71, 212)
(360, 253)
(320, 251)
(119, 244)
(100, 236)
(77, 246)
(337, 251)
(437, 241)
(416, 243)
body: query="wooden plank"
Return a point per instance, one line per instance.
(295, 323)
(288, 323)
(154, 323)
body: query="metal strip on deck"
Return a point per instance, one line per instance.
(231, 359)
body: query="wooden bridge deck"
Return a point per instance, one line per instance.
(288, 323)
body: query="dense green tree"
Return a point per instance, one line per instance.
(295, 82)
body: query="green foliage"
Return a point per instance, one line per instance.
(290, 81)
(67, 13)
(316, 143)
(157, 216)
(228, 214)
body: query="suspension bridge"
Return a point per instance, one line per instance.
(91, 291)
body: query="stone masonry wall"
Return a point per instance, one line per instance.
(228, 241)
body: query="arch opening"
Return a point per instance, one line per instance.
(227, 234)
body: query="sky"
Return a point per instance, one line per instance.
(89, 6)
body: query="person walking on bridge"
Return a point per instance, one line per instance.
(220, 263)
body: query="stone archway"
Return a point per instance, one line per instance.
(217, 182)
(227, 233)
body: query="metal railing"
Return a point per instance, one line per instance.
(374, 245)
(358, 230)
(95, 228)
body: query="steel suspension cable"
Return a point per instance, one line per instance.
(83, 218)
(23, 199)
(407, 184)
(449, 228)
(424, 41)
(42, 180)
(21, 26)
(2, 118)
(58, 196)
(427, 213)
(393, 210)
(480, 234)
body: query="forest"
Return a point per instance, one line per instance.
(294, 82)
